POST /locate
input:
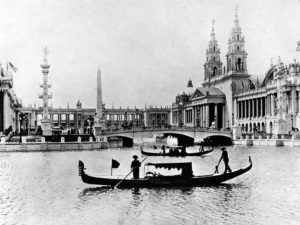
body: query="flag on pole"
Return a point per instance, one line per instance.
(12, 67)
(114, 163)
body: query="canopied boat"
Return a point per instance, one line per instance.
(186, 178)
(175, 151)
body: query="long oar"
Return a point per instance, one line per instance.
(128, 174)
(217, 170)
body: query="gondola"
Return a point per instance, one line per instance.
(177, 151)
(186, 178)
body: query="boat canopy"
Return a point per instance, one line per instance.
(185, 165)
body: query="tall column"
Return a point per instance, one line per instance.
(293, 106)
(266, 105)
(5, 112)
(45, 96)
(216, 116)
(271, 105)
(223, 116)
(99, 95)
(244, 109)
(238, 110)
(299, 103)
(207, 123)
(257, 108)
(261, 107)
(202, 116)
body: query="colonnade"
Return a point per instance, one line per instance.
(256, 107)
(205, 114)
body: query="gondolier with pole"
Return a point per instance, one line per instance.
(135, 167)
(225, 159)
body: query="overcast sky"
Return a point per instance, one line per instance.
(147, 50)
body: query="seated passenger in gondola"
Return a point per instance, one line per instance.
(176, 151)
(183, 151)
(171, 151)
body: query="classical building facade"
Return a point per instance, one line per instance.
(9, 103)
(229, 96)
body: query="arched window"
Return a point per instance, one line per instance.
(215, 71)
(214, 58)
(238, 48)
(239, 64)
(214, 48)
(238, 37)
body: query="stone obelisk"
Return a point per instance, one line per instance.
(99, 96)
(45, 122)
(99, 122)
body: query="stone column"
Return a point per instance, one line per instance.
(244, 109)
(238, 110)
(272, 106)
(5, 110)
(207, 122)
(261, 107)
(216, 116)
(202, 115)
(257, 108)
(293, 106)
(299, 103)
(268, 105)
(253, 108)
(223, 116)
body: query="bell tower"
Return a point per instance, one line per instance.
(213, 64)
(236, 56)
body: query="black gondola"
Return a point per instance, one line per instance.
(177, 151)
(186, 178)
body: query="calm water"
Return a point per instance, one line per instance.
(44, 188)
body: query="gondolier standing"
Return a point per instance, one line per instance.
(135, 167)
(225, 159)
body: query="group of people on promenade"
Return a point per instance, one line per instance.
(136, 164)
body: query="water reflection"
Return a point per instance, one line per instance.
(94, 191)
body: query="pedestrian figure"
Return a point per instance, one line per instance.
(201, 149)
(135, 167)
(163, 149)
(225, 159)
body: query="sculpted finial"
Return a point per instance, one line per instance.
(46, 53)
(236, 9)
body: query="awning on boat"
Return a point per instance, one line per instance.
(169, 166)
